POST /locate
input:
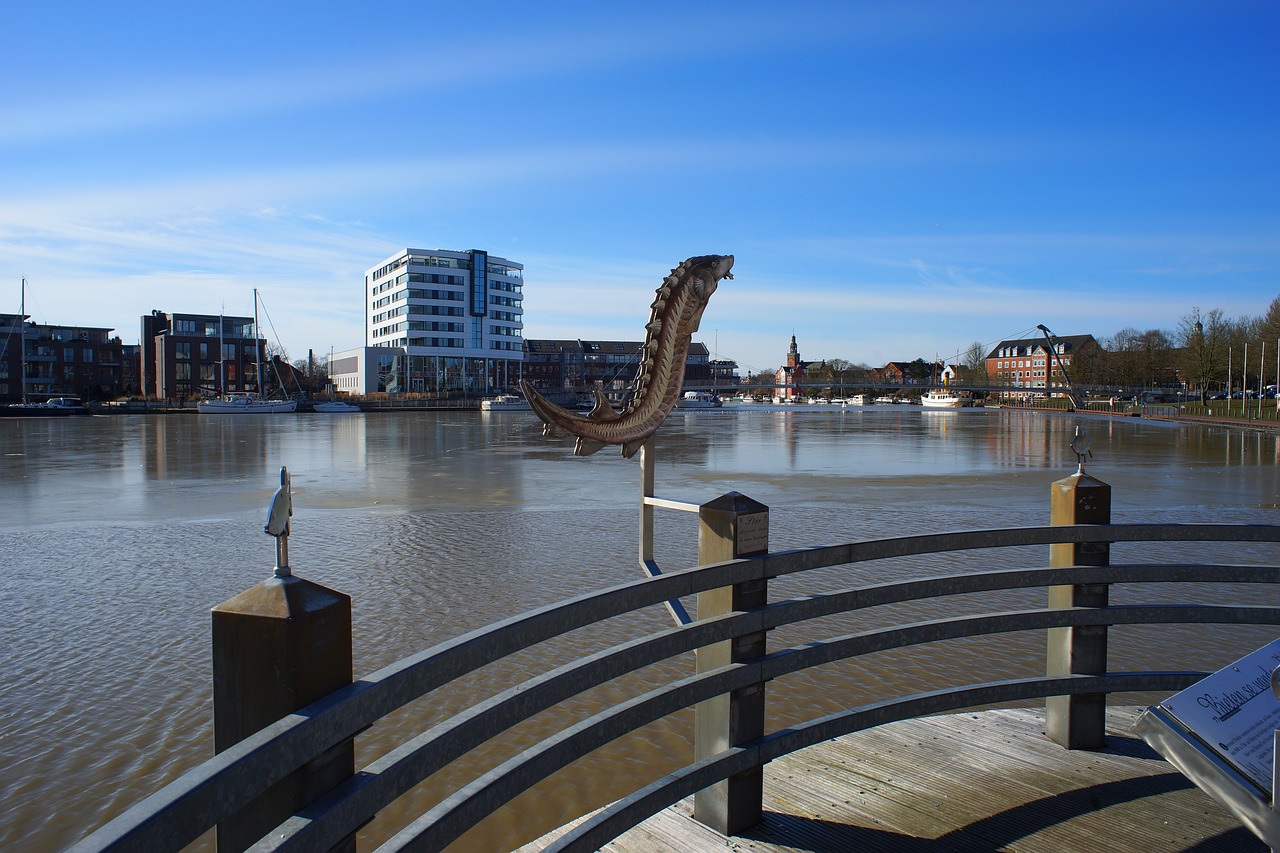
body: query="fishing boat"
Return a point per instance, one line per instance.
(699, 400)
(244, 402)
(505, 403)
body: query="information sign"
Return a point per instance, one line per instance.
(1235, 713)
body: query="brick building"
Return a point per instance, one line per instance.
(1030, 363)
(198, 355)
(60, 361)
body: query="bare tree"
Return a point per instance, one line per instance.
(974, 363)
(1203, 339)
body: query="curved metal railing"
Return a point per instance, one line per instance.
(180, 812)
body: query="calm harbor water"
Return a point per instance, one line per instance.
(119, 533)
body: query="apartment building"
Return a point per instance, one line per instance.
(456, 315)
(55, 361)
(185, 356)
(1031, 363)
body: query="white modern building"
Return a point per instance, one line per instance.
(455, 316)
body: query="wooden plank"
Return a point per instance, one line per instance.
(988, 780)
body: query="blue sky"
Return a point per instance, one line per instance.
(896, 179)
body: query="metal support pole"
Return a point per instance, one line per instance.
(276, 648)
(731, 526)
(1078, 722)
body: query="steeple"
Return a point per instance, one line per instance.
(793, 354)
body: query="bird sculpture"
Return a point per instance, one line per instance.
(1080, 444)
(278, 515)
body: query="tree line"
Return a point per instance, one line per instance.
(1204, 350)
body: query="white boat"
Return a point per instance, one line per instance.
(856, 400)
(699, 400)
(505, 403)
(886, 401)
(336, 407)
(940, 398)
(750, 398)
(245, 404)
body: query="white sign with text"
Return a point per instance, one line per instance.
(1235, 712)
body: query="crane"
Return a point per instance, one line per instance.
(1076, 404)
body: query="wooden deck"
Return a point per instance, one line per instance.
(986, 780)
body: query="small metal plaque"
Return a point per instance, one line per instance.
(753, 533)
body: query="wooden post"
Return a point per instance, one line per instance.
(1078, 722)
(731, 526)
(277, 647)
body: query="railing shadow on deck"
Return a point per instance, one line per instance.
(182, 811)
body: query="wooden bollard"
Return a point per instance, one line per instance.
(276, 648)
(731, 526)
(1078, 722)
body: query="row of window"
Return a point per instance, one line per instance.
(439, 343)
(430, 310)
(209, 329)
(230, 352)
(394, 265)
(429, 278)
(423, 326)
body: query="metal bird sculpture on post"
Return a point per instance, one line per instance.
(675, 315)
(278, 515)
(1081, 441)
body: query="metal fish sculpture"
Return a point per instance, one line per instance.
(676, 312)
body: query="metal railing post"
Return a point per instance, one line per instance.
(1078, 722)
(731, 526)
(277, 647)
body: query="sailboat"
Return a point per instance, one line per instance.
(245, 403)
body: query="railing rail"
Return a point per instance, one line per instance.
(179, 813)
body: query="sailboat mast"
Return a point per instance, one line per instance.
(222, 351)
(257, 341)
(22, 339)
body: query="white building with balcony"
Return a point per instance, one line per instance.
(456, 315)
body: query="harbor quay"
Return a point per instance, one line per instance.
(409, 567)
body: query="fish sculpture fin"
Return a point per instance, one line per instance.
(586, 447)
(631, 447)
(603, 410)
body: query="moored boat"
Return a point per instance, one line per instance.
(699, 400)
(505, 402)
(335, 407)
(245, 404)
(940, 398)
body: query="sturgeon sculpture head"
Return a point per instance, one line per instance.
(674, 317)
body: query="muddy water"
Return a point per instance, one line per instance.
(118, 534)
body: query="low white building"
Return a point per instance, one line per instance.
(455, 317)
(367, 370)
